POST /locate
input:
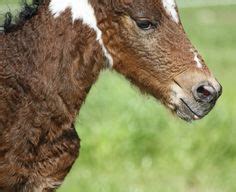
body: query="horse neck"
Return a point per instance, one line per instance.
(62, 56)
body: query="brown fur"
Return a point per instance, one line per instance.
(42, 87)
(47, 67)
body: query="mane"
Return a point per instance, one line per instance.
(28, 10)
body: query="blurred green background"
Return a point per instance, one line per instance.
(130, 143)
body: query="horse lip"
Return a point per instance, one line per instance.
(185, 112)
(196, 115)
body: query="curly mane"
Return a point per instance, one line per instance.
(28, 10)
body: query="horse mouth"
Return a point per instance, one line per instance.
(186, 112)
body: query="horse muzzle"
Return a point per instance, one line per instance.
(194, 94)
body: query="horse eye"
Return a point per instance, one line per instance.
(145, 24)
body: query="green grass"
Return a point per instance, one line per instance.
(130, 143)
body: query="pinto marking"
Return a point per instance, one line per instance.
(81, 10)
(170, 7)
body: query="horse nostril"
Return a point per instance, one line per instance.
(205, 93)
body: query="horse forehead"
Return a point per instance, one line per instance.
(151, 6)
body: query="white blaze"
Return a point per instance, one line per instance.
(197, 60)
(81, 10)
(170, 7)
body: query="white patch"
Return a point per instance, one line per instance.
(170, 7)
(197, 60)
(81, 9)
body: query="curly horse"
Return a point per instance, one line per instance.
(53, 53)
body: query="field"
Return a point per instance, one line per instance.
(130, 143)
